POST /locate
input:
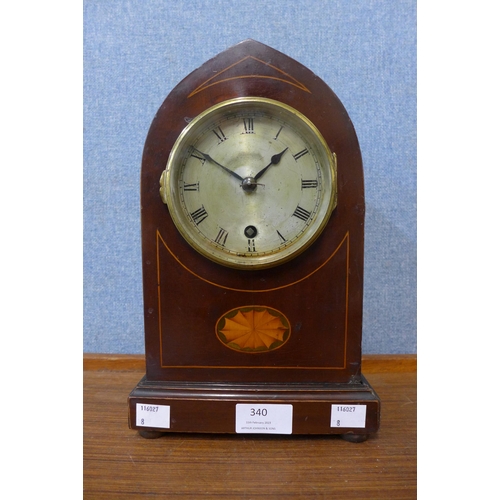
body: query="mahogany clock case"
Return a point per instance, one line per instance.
(318, 294)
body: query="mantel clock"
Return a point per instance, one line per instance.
(252, 202)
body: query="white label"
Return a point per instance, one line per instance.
(148, 415)
(348, 416)
(264, 418)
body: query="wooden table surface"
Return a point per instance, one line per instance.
(119, 464)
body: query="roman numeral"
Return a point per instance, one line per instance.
(195, 154)
(251, 245)
(192, 187)
(248, 124)
(301, 213)
(220, 134)
(300, 154)
(282, 238)
(221, 237)
(279, 132)
(310, 183)
(199, 215)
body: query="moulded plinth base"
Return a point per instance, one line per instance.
(156, 408)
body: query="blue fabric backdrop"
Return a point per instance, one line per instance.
(135, 52)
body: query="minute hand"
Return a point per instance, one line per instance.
(209, 158)
(275, 159)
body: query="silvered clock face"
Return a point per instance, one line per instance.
(250, 183)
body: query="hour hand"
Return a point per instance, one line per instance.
(275, 159)
(210, 159)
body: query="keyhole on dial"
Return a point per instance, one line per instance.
(250, 231)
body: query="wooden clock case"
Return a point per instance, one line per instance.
(320, 292)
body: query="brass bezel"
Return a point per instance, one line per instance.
(168, 185)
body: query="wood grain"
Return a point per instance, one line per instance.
(119, 464)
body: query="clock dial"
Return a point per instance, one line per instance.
(250, 183)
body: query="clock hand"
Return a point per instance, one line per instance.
(275, 159)
(209, 158)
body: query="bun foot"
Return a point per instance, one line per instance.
(354, 438)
